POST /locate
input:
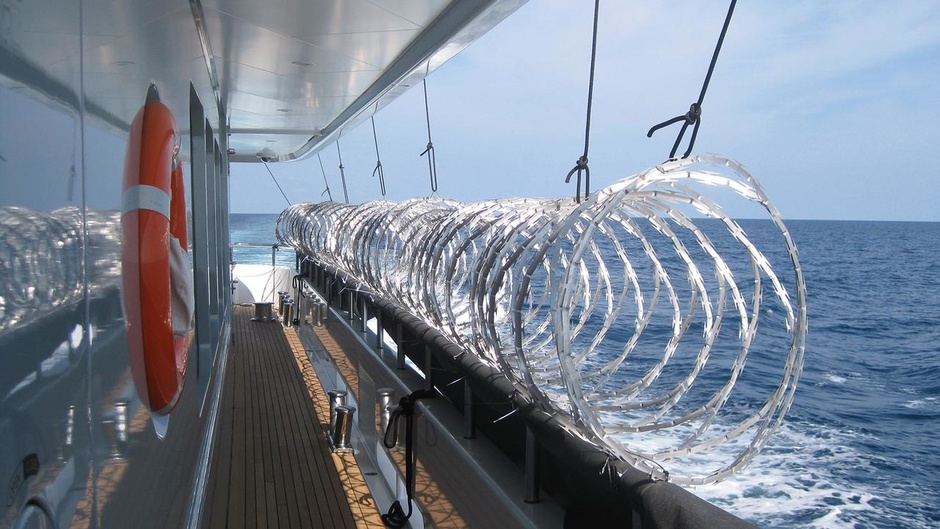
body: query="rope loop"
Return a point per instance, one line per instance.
(378, 171)
(325, 181)
(694, 115)
(582, 164)
(389, 439)
(378, 159)
(396, 518)
(429, 150)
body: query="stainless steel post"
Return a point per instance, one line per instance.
(281, 297)
(379, 331)
(288, 316)
(337, 399)
(363, 313)
(342, 429)
(385, 396)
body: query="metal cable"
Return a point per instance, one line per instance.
(582, 164)
(326, 183)
(342, 173)
(694, 115)
(378, 159)
(275, 182)
(432, 161)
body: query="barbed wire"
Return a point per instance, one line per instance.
(632, 312)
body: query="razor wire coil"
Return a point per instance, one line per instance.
(631, 314)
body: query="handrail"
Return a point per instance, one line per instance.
(274, 248)
(616, 488)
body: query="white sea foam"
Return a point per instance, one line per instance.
(921, 403)
(835, 379)
(795, 482)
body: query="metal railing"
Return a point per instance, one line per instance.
(254, 248)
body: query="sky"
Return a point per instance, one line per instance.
(833, 106)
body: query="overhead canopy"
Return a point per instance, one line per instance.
(295, 74)
(289, 74)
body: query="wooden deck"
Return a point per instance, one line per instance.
(272, 466)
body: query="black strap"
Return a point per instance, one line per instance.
(396, 518)
(694, 115)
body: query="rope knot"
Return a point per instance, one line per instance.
(581, 166)
(378, 157)
(694, 115)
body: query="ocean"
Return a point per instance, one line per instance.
(258, 231)
(859, 447)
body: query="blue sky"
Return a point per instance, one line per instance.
(833, 107)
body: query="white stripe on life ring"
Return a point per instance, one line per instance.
(145, 197)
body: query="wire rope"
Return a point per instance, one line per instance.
(378, 160)
(326, 183)
(275, 183)
(342, 173)
(429, 150)
(694, 115)
(581, 165)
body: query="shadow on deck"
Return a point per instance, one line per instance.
(272, 465)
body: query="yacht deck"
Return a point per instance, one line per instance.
(272, 465)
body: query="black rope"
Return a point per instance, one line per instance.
(325, 182)
(378, 159)
(694, 115)
(396, 518)
(432, 161)
(581, 166)
(342, 172)
(275, 182)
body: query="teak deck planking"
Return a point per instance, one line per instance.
(272, 466)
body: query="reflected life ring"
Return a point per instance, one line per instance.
(157, 278)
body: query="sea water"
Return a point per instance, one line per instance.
(257, 230)
(860, 446)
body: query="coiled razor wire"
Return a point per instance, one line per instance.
(630, 314)
(45, 260)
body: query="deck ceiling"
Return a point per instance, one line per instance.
(293, 73)
(290, 74)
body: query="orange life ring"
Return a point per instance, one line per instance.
(153, 214)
